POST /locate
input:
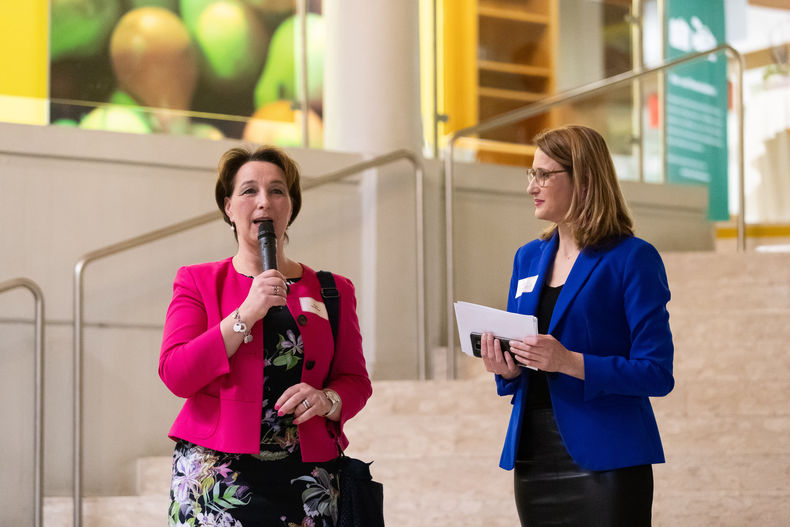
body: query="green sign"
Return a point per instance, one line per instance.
(696, 101)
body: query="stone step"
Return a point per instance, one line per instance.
(711, 508)
(470, 506)
(723, 472)
(716, 397)
(436, 397)
(735, 282)
(724, 435)
(705, 435)
(438, 418)
(715, 269)
(436, 489)
(703, 298)
(732, 346)
(446, 490)
(118, 511)
(153, 475)
(692, 489)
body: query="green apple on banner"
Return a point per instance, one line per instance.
(281, 78)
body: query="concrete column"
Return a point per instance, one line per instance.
(372, 76)
(372, 106)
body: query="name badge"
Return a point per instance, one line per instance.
(311, 305)
(526, 285)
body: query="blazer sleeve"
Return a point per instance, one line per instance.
(647, 370)
(505, 386)
(193, 354)
(348, 375)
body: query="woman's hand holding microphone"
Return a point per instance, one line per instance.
(268, 289)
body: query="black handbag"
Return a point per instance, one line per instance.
(361, 502)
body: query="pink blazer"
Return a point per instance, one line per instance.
(224, 396)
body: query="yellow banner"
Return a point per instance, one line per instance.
(24, 38)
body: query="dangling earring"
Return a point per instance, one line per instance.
(233, 226)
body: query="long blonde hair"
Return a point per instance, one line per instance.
(598, 214)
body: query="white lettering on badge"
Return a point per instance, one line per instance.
(311, 305)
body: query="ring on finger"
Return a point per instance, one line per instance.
(306, 404)
(277, 290)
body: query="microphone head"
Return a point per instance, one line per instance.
(265, 228)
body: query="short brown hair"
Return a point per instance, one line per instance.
(235, 158)
(598, 214)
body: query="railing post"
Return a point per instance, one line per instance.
(637, 91)
(304, 90)
(38, 397)
(738, 104)
(77, 400)
(77, 337)
(449, 255)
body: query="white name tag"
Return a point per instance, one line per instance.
(311, 305)
(526, 285)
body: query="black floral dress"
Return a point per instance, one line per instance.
(271, 489)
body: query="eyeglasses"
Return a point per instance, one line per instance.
(540, 175)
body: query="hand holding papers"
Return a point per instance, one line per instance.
(477, 319)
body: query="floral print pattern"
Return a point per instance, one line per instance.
(320, 496)
(279, 436)
(289, 351)
(204, 488)
(272, 489)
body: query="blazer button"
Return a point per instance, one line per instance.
(309, 365)
(301, 320)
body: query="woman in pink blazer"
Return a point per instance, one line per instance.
(267, 388)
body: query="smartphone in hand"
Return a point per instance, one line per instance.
(504, 343)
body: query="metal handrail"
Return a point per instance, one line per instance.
(197, 221)
(303, 96)
(38, 403)
(581, 92)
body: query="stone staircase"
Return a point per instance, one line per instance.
(434, 445)
(726, 426)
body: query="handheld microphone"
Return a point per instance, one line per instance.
(268, 242)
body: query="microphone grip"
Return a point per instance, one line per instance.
(268, 243)
(269, 252)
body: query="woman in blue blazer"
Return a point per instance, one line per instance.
(582, 435)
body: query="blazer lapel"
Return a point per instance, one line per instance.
(582, 267)
(539, 267)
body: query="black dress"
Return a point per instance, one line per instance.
(273, 488)
(550, 488)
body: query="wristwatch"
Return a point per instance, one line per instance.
(239, 326)
(334, 398)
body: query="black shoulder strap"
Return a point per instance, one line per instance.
(331, 299)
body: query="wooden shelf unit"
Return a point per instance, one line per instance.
(516, 50)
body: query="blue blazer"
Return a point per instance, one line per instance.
(612, 309)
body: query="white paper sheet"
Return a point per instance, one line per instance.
(474, 318)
